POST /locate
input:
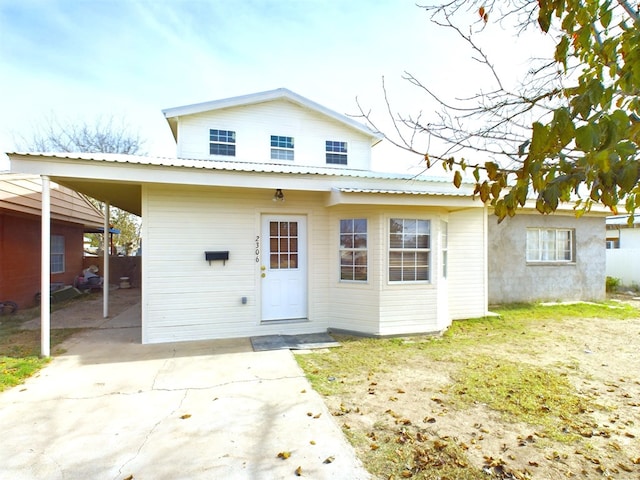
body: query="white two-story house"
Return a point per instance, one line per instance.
(271, 221)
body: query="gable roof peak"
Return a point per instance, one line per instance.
(171, 114)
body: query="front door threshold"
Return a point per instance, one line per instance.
(284, 320)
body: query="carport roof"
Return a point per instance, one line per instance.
(118, 178)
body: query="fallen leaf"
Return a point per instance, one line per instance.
(283, 455)
(624, 467)
(185, 416)
(312, 442)
(130, 477)
(329, 459)
(298, 472)
(317, 415)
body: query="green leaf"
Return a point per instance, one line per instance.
(586, 138)
(560, 55)
(628, 178)
(539, 141)
(605, 15)
(492, 170)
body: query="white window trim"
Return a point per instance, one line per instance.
(344, 154)
(354, 249)
(220, 142)
(287, 150)
(540, 248)
(429, 252)
(58, 254)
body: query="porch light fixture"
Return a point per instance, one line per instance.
(278, 196)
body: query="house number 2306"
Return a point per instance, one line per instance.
(258, 249)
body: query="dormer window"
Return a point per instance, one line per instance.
(336, 152)
(281, 148)
(222, 142)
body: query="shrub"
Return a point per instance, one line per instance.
(612, 284)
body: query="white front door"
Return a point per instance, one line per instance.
(284, 267)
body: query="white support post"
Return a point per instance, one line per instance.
(45, 270)
(106, 247)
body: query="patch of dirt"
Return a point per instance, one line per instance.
(87, 311)
(601, 358)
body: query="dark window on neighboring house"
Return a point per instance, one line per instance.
(336, 152)
(222, 142)
(613, 243)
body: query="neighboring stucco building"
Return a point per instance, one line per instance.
(271, 221)
(534, 257)
(20, 209)
(623, 249)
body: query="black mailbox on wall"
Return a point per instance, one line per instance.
(219, 255)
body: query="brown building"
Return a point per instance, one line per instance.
(20, 226)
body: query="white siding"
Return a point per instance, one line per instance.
(184, 297)
(355, 305)
(254, 125)
(467, 278)
(409, 307)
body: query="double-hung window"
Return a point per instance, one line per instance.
(353, 249)
(57, 254)
(550, 245)
(336, 152)
(409, 250)
(281, 148)
(222, 142)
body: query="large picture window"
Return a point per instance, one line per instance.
(353, 249)
(409, 250)
(222, 142)
(550, 245)
(57, 254)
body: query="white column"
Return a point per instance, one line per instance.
(106, 247)
(45, 270)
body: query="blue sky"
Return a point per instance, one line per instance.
(82, 59)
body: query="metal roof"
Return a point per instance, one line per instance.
(256, 167)
(403, 192)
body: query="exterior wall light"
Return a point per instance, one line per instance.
(278, 196)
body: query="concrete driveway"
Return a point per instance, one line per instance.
(110, 408)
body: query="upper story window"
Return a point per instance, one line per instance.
(281, 148)
(222, 142)
(550, 245)
(409, 250)
(57, 254)
(353, 249)
(336, 152)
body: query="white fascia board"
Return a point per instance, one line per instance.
(425, 200)
(261, 97)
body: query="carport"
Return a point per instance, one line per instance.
(105, 186)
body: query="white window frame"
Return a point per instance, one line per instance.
(353, 246)
(224, 139)
(336, 150)
(546, 245)
(444, 239)
(404, 250)
(282, 147)
(57, 254)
